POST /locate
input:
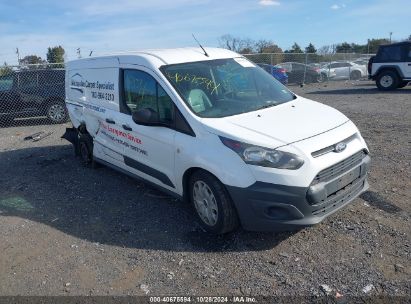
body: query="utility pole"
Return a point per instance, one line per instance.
(18, 56)
(368, 46)
(390, 36)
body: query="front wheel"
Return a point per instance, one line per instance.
(57, 112)
(212, 203)
(387, 80)
(85, 149)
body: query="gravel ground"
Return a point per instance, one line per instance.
(69, 230)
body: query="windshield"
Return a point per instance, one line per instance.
(225, 87)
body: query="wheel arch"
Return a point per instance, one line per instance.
(393, 68)
(186, 180)
(52, 99)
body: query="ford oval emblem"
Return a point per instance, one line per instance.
(340, 147)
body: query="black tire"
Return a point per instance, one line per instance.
(226, 218)
(387, 80)
(321, 77)
(403, 84)
(308, 79)
(85, 147)
(57, 112)
(355, 75)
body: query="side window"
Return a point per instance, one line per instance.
(165, 106)
(6, 83)
(333, 65)
(28, 80)
(298, 67)
(142, 91)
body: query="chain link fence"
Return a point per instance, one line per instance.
(29, 93)
(305, 68)
(32, 93)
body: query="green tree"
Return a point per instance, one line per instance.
(55, 54)
(375, 43)
(294, 49)
(344, 47)
(5, 70)
(32, 59)
(310, 49)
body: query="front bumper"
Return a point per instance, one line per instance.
(270, 207)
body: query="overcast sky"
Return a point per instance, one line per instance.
(107, 26)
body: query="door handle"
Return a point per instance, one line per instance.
(125, 127)
(110, 121)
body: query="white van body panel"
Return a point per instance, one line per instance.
(163, 156)
(273, 127)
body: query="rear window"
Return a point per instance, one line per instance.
(390, 54)
(408, 53)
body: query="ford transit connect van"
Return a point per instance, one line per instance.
(215, 129)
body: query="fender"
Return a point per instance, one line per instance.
(392, 67)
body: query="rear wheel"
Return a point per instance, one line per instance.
(321, 77)
(212, 203)
(57, 112)
(355, 75)
(387, 80)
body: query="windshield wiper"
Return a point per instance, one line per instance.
(266, 106)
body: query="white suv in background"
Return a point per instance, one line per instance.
(391, 67)
(344, 70)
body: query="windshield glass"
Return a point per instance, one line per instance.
(224, 87)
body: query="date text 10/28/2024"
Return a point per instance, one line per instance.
(205, 299)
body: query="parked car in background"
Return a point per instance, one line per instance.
(361, 61)
(33, 93)
(391, 67)
(277, 72)
(339, 70)
(296, 71)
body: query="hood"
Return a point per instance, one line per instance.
(279, 125)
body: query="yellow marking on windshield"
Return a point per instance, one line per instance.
(210, 85)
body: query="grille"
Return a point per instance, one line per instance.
(339, 168)
(331, 148)
(337, 200)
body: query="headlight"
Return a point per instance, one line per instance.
(259, 156)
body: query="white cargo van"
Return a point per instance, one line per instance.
(217, 130)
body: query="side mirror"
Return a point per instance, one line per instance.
(146, 116)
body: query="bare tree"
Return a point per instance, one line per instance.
(327, 50)
(229, 42)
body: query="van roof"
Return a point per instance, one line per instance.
(158, 57)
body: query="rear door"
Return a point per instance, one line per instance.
(298, 72)
(30, 95)
(150, 150)
(8, 94)
(343, 70)
(331, 68)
